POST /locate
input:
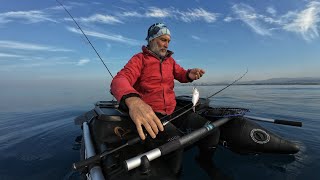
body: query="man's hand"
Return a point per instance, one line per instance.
(143, 115)
(196, 73)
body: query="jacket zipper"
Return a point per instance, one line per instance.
(165, 109)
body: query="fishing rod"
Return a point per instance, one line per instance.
(171, 146)
(85, 37)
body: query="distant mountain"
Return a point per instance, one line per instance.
(273, 81)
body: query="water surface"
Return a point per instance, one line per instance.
(37, 131)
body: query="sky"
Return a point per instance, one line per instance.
(271, 38)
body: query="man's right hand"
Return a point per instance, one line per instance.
(143, 115)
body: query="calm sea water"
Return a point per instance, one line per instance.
(37, 131)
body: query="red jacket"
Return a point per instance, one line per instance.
(152, 80)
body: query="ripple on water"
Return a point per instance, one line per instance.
(35, 127)
(34, 157)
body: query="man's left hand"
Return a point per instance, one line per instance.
(196, 73)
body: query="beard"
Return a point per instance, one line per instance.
(161, 52)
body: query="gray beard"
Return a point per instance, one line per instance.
(154, 47)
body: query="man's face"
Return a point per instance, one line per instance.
(160, 45)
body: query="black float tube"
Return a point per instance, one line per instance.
(97, 158)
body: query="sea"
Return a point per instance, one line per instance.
(37, 132)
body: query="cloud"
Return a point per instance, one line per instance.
(72, 3)
(132, 14)
(198, 14)
(305, 22)
(83, 62)
(228, 19)
(9, 55)
(272, 11)
(98, 18)
(12, 67)
(248, 15)
(191, 15)
(29, 46)
(34, 62)
(195, 37)
(58, 8)
(158, 13)
(112, 37)
(25, 17)
(18, 66)
(199, 39)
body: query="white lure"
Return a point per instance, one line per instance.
(195, 98)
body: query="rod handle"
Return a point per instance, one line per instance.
(134, 141)
(286, 122)
(86, 162)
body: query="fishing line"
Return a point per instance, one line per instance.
(86, 37)
(228, 85)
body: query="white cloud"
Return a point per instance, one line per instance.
(26, 62)
(25, 16)
(199, 39)
(29, 46)
(12, 67)
(132, 14)
(248, 15)
(305, 22)
(271, 20)
(97, 3)
(83, 62)
(198, 14)
(191, 15)
(272, 11)
(112, 37)
(73, 3)
(98, 18)
(228, 19)
(9, 55)
(157, 12)
(195, 37)
(59, 7)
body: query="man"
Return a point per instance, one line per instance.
(145, 87)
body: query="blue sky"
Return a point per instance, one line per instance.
(39, 42)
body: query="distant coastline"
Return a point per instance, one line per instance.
(273, 81)
(241, 84)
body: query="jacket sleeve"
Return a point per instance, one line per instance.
(122, 83)
(180, 73)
